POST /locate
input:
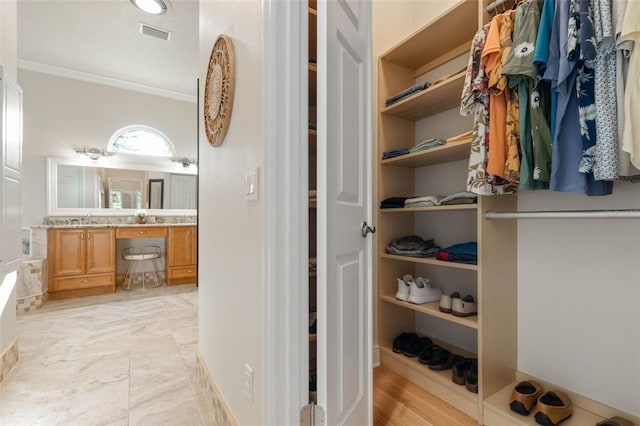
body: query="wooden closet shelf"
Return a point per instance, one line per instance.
(313, 337)
(432, 309)
(430, 261)
(438, 383)
(451, 151)
(437, 38)
(437, 98)
(431, 208)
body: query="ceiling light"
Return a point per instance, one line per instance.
(154, 7)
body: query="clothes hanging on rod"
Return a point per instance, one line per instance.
(574, 55)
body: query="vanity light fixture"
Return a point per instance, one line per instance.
(93, 153)
(186, 162)
(153, 7)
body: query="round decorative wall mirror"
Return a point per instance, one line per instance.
(218, 90)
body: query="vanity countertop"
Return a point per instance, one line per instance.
(114, 225)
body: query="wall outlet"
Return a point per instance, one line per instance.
(248, 383)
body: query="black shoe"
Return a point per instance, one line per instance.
(400, 342)
(415, 347)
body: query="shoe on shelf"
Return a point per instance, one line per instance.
(553, 408)
(447, 363)
(446, 301)
(525, 396)
(420, 291)
(415, 347)
(615, 421)
(462, 369)
(401, 341)
(403, 287)
(464, 307)
(437, 355)
(471, 381)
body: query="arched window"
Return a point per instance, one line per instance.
(141, 140)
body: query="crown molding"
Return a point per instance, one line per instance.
(106, 81)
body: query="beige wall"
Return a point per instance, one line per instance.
(9, 36)
(230, 228)
(62, 114)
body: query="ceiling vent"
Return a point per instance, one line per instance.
(156, 32)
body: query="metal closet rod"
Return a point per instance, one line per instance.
(566, 214)
(496, 4)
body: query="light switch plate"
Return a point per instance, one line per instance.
(251, 184)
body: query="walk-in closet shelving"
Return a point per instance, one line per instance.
(437, 50)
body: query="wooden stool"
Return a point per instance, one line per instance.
(138, 255)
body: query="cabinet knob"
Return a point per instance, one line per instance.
(84, 281)
(141, 232)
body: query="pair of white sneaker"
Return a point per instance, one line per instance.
(417, 291)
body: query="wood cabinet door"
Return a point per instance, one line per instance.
(101, 251)
(181, 246)
(69, 254)
(194, 245)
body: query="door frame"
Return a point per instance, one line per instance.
(285, 340)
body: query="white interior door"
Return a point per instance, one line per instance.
(11, 172)
(344, 195)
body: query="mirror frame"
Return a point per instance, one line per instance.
(110, 163)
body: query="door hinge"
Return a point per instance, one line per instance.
(312, 415)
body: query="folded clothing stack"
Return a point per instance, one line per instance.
(460, 253)
(393, 203)
(429, 143)
(394, 153)
(407, 92)
(438, 200)
(413, 246)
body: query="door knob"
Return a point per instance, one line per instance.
(366, 229)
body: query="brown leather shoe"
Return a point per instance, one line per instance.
(553, 408)
(615, 421)
(524, 396)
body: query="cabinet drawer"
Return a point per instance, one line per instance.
(84, 281)
(141, 232)
(183, 271)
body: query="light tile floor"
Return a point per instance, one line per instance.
(127, 358)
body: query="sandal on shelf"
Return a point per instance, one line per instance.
(553, 408)
(524, 397)
(615, 421)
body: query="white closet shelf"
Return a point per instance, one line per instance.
(431, 208)
(451, 151)
(437, 98)
(438, 383)
(430, 261)
(432, 309)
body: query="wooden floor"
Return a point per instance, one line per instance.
(396, 401)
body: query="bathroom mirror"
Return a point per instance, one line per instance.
(105, 187)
